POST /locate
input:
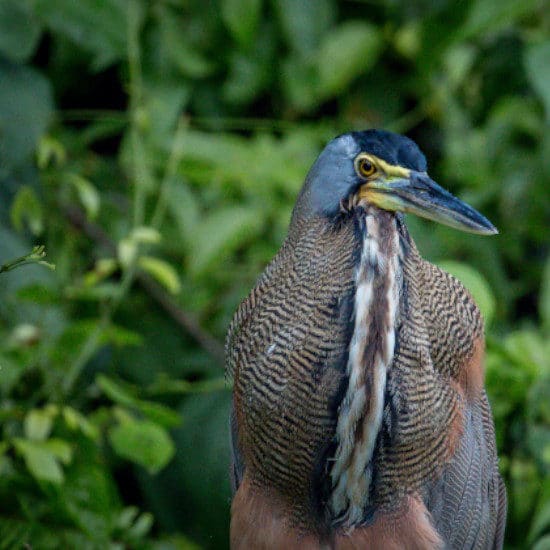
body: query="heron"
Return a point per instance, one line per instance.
(359, 415)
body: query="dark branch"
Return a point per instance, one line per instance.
(184, 320)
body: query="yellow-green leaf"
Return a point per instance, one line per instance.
(162, 271)
(144, 443)
(348, 51)
(42, 463)
(87, 194)
(144, 234)
(38, 424)
(26, 208)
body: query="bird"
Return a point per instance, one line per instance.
(359, 416)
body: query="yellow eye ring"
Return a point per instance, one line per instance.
(365, 167)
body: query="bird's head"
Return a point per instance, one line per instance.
(388, 171)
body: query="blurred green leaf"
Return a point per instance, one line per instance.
(87, 194)
(11, 372)
(116, 391)
(164, 102)
(141, 526)
(60, 448)
(127, 517)
(76, 420)
(184, 209)
(50, 151)
(529, 349)
(144, 443)
(27, 208)
(540, 525)
(147, 235)
(220, 233)
(160, 414)
(26, 107)
(38, 424)
(103, 268)
(120, 336)
(162, 272)
(348, 51)
(487, 16)
(247, 77)
(185, 55)
(301, 82)
(537, 65)
(42, 461)
(241, 18)
(304, 23)
(127, 251)
(544, 306)
(125, 395)
(98, 27)
(20, 31)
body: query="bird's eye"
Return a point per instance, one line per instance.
(365, 167)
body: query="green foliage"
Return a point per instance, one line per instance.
(156, 149)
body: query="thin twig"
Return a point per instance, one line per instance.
(34, 257)
(184, 320)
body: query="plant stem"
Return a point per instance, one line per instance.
(36, 256)
(174, 159)
(141, 176)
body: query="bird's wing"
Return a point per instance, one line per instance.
(468, 502)
(236, 471)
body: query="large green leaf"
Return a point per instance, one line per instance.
(44, 458)
(304, 23)
(241, 18)
(537, 64)
(38, 424)
(487, 16)
(98, 26)
(220, 233)
(174, 45)
(125, 394)
(143, 442)
(346, 52)
(19, 30)
(542, 544)
(25, 111)
(27, 208)
(301, 83)
(544, 304)
(163, 272)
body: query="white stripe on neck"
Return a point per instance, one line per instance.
(351, 471)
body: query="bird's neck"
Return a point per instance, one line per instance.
(371, 350)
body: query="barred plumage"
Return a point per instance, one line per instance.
(359, 413)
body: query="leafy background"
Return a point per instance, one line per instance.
(156, 149)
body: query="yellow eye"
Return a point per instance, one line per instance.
(365, 168)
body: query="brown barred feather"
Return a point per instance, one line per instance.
(287, 350)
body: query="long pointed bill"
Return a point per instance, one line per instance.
(420, 195)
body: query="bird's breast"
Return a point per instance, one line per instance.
(371, 351)
(289, 355)
(310, 355)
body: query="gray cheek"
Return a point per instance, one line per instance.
(331, 179)
(327, 193)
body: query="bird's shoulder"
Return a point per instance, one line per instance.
(454, 326)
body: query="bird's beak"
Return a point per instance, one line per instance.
(416, 193)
